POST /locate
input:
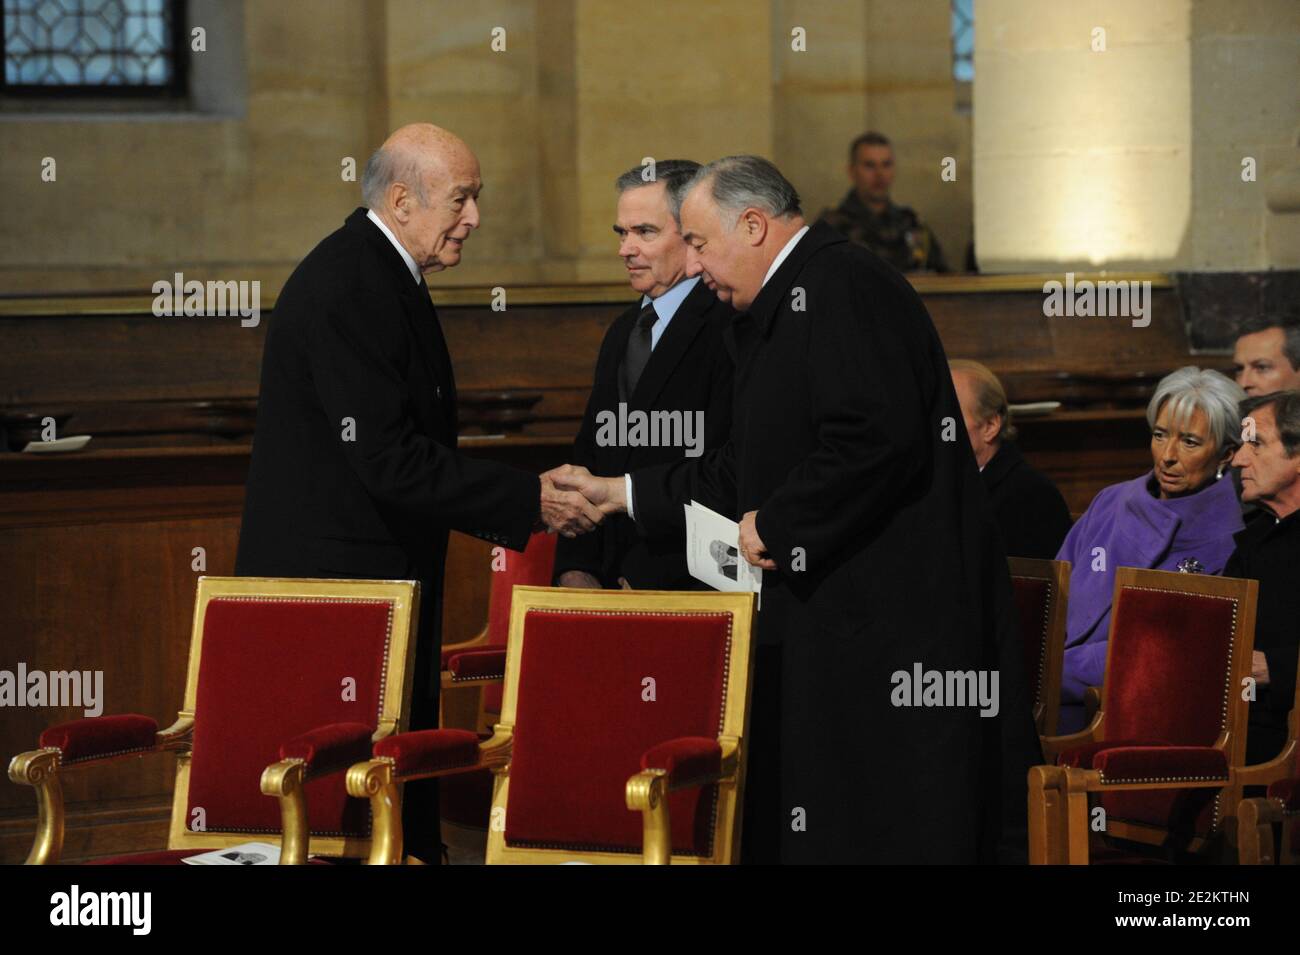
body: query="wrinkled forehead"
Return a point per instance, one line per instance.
(453, 169)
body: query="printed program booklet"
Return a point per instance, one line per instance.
(246, 853)
(713, 552)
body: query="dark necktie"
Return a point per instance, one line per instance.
(638, 349)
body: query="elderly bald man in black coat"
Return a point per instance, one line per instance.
(355, 471)
(856, 491)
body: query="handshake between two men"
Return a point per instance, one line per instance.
(574, 501)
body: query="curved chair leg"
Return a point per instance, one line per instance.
(40, 769)
(373, 780)
(1255, 818)
(647, 793)
(285, 780)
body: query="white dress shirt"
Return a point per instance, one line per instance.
(406, 256)
(783, 254)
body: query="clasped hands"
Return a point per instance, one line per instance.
(575, 501)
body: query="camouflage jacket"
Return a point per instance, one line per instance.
(897, 236)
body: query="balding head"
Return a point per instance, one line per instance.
(423, 182)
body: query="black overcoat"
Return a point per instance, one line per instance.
(1027, 507)
(688, 371)
(870, 502)
(355, 471)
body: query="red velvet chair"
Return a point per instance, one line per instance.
(1161, 755)
(289, 683)
(614, 701)
(1279, 806)
(1042, 588)
(472, 670)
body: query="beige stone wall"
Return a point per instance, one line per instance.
(583, 90)
(241, 196)
(873, 64)
(1131, 157)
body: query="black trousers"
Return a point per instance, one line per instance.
(421, 832)
(765, 818)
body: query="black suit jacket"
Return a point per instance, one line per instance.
(355, 471)
(1269, 551)
(1027, 507)
(688, 371)
(887, 558)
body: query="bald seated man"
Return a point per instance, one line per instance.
(355, 472)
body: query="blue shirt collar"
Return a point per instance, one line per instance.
(666, 305)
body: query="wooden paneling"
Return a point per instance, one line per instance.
(96, 547)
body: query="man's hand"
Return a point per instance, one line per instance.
(608, 494)
(580, 579)
(1259, 667)
(567, 512)
(752, 547)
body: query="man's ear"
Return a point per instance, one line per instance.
(755, 226)
(991, 428)
(399, 200)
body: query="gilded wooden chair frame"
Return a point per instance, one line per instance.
(1059, 830)
(645, 791)
(43, 768)
(1257, 816)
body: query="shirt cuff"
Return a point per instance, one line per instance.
(627, 490)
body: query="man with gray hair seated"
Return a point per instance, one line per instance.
(1180, 516)
(880, 557)
(1268, 550)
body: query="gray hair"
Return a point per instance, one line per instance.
(388, 165)
(675, 174)
(1192, 389)
(739, 182)
(1286, 411)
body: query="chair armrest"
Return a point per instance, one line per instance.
(1138, 765)
(676, 764)
(429, 752)
(486, 663)
(79, 743)
(328, 749)
(1281, 766)
(475, 642)
(99, 737)
(1053, 746)
(686, 761)
(1091, 703)
(418, 755)
(318, 752)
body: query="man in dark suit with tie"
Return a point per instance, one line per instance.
(883, 573)
(665, 355)
(355, 472)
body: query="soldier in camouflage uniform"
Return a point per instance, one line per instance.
(868, 216)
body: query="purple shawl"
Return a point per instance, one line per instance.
(1136, 529)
